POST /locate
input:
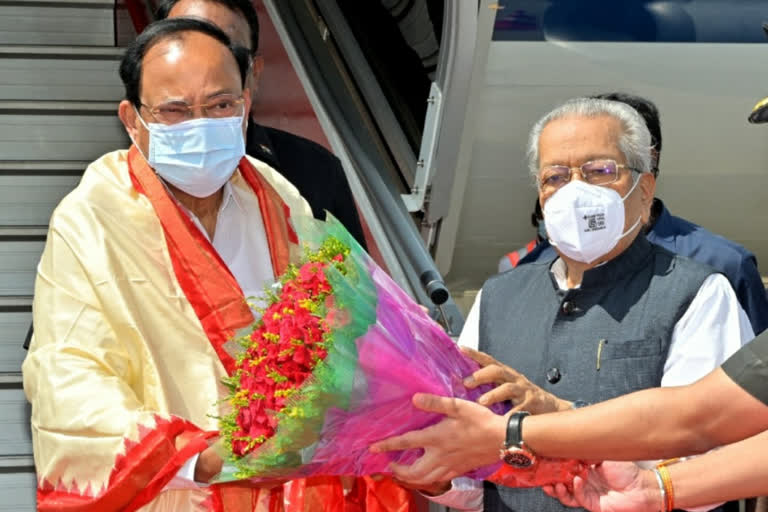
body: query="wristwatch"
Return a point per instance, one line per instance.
(514, 452)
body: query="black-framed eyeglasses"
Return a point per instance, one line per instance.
(595, 172)
(172, 112)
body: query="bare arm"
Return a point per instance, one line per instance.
(653, 423)
(732, 472)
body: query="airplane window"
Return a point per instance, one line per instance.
(685, 21)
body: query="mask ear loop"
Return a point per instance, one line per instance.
(141, 120)
(639, 217)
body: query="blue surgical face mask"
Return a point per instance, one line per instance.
(196, 156)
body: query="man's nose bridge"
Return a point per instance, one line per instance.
(576, 174)
(197, 112)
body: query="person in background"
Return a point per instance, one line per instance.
(686, 238)
(512, 259)
(312, 169)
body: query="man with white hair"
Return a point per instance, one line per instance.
(612, 314)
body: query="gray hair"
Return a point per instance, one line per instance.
(635, 140)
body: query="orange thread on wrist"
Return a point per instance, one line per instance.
(666, 478)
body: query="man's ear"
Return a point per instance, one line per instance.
(647, 188)
(128, 115)
(247, 98)
(257, 66)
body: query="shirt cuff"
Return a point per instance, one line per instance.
(185, 477)
(464, 494)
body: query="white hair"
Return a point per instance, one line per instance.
(634, 142)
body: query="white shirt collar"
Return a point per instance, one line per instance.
(560, 273)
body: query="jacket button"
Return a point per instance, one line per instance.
(567, 307)
(553, 375)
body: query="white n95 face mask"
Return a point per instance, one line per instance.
(197, 156)
(586, 221)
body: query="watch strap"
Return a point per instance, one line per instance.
(515, 429)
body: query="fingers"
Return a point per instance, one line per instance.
(439, 404)
(500, 394)
(493, 374)
(433, 489)
(420, 438)
(421, 474)
(565, 496)
(407, 441)
(480, 358)
(560, 492)
(580, 493)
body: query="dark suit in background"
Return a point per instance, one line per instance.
(312, 169)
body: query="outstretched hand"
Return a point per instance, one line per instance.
(611, 487)
(467, 438)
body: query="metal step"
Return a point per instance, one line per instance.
(58, 107)
(52, 22)
(59, 130)
(100, 4)
(11, 378)
(18, 491)
(18, 265)
(17, 461)
(23, 233)
(72, 73)
(42, 168)
(30, 200)
(64, 51)
(14, 423)
(14, 327)
(15, 303)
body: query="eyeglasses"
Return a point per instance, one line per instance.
(595, 172)
(177, 111)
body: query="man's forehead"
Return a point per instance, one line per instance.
(592, 130)
(169, 50)
(601, 123)
(188, 63)
(189, 46)
(574, 140)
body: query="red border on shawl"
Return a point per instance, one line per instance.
(275, 214)
(138, 476)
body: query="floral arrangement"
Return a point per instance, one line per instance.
(282, 351)
(331, 367)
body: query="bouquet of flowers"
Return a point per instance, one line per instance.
(331, 367)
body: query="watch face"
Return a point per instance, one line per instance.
(518, 458)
